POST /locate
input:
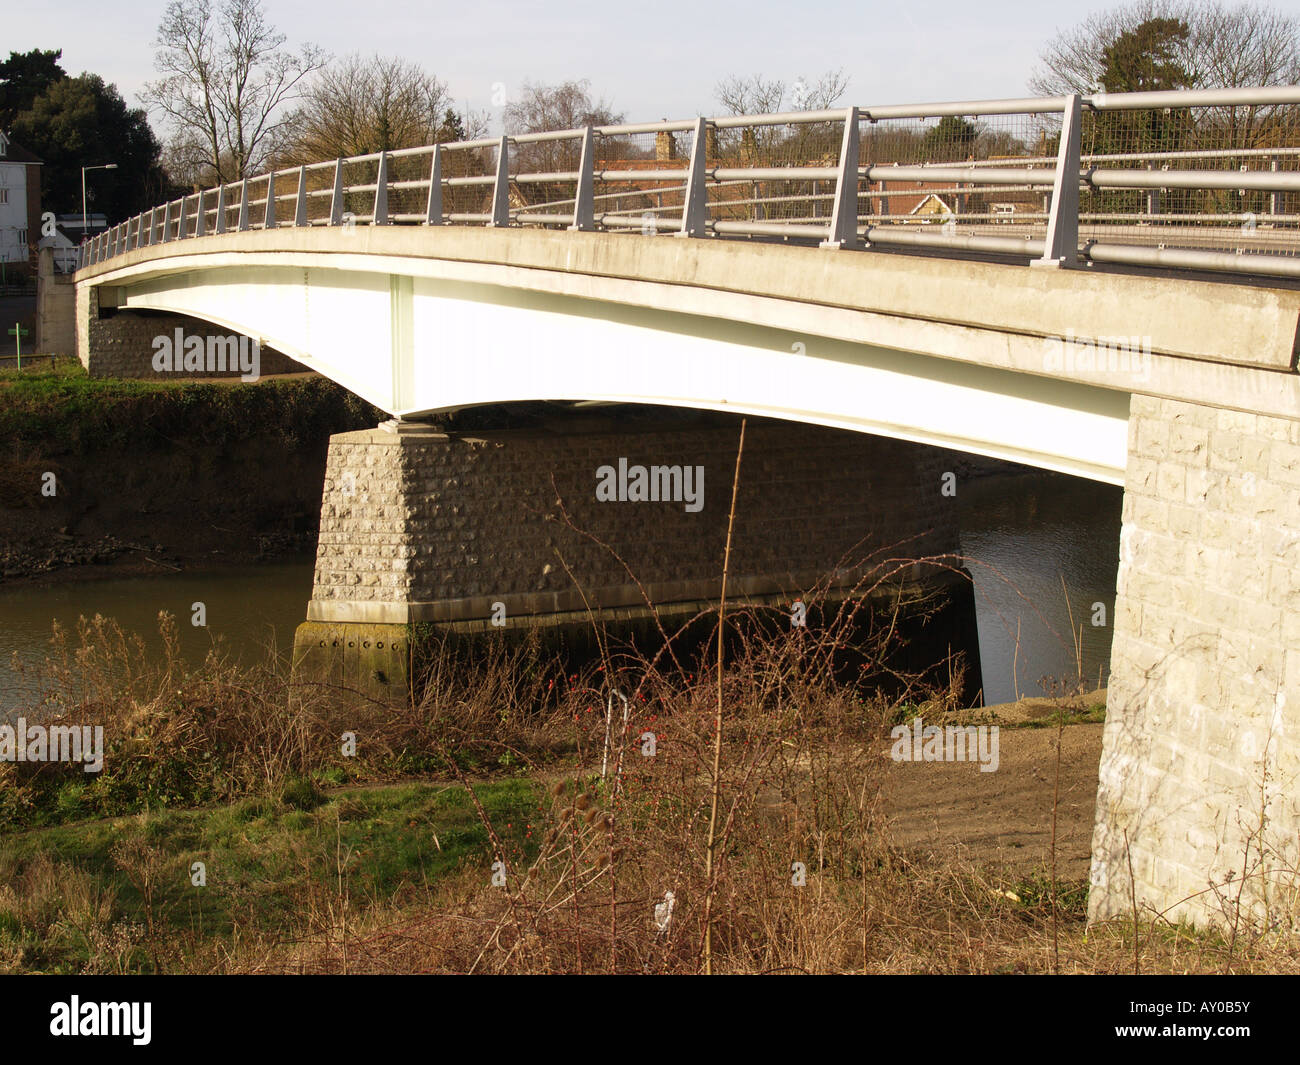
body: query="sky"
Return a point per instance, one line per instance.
(651, 61)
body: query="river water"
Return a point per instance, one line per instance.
(1022, 536)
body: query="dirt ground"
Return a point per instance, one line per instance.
(1002, 818)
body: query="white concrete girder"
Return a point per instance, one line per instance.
(412, 345)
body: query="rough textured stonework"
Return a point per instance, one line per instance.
(428, 527)
(120, 344)
(1201, 760)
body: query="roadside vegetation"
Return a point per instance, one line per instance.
(492, 826)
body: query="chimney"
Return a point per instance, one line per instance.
(665, 147)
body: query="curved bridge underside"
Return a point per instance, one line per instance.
(997, 360)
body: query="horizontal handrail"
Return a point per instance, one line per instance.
(739, 194)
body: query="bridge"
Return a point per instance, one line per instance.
(1100, 285)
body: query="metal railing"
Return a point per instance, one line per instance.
(1204, 179)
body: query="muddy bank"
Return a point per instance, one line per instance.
(108, 478)
(1003, 819)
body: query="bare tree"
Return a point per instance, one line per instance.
(1217, 47)
(543, 108)
(225, 80)
(751, 95)
(569, 105)
(1225, 47)
(821, 95)
(1244, 46)
(757, 95)
(361, 105)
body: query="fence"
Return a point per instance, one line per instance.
(1197, 179)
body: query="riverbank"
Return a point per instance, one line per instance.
(127, 478)
(502, 825)
(123, 478)
(399, 878)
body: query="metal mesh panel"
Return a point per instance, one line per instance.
(1219, 140)
(969, 142)
(1194, 176)
(647, 204)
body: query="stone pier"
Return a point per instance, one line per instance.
(1200, 773)
(484, 531)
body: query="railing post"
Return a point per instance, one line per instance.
(268, 219)
(153, 226)
(200, 222)
(433, 206)
(336, 199)
(379, 216)
(300, 208)
(167, 223)
(243, 205)
(501, 187)
(182, 223)
(220, 227)
(844, 216)
(584, 199)
(695, 211)
(1061, 248)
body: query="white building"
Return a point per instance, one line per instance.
(20, 201)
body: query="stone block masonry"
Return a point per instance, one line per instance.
(1200, 770)
(455, 529)
(422, 526)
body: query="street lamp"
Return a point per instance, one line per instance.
(102, 166)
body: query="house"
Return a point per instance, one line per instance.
(66, 255)
(932, 208)
(78, 230)
(20, 201)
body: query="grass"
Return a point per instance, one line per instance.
(1091, 715)
(63, 410)
(317, 863)
(270, 862)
